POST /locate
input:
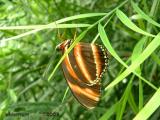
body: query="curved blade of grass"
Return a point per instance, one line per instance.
(140, 95)
(44, 26)
(107, 44)
(132, 103)
(81, 16)
(145, 54)
(127, 22)
(143, 15)
(150, 107)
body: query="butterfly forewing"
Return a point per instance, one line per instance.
(85, 61)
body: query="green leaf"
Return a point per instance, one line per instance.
(143, 15)
(150, 107)
(127, 22)
(140, 94)
(132, 103)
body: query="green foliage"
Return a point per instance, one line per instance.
(31, 81)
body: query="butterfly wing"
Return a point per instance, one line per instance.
(82, 67)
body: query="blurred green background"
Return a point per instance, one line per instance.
(26, 62)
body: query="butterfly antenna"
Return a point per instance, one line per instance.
(59, 35)
(63, 35)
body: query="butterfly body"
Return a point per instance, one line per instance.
(83, 68)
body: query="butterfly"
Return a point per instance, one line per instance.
(83, 68)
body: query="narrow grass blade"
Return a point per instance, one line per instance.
(81, 16)
(65, 94)
(143, 15)
(108, 45)
(150, 107)
(38, 28)
(127, 22)
(140, 95)
(44, 26)
(132, 103)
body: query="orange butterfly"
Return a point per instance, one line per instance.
(83, 68)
